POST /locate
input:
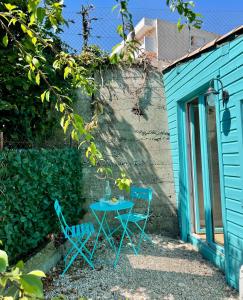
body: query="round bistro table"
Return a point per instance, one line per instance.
(104, 208)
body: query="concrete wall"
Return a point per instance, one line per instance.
(139, 144)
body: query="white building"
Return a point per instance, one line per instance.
(160, 40)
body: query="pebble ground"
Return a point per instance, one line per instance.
(164, 269)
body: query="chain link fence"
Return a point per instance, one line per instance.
(104, 28)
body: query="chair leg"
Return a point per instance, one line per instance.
(78, 249)
(124, 225)
(141, 235)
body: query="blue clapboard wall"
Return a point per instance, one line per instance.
(182, 82)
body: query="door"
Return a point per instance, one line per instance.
(204, 176)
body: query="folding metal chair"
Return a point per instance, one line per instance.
(78, 235)
(138, 193)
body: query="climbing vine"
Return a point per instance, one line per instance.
(29, 43)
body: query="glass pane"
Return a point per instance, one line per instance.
(198, 175)
(196, 179)
(215, 179)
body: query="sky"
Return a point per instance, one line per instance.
(219, 16)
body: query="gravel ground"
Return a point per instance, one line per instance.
(165, 269)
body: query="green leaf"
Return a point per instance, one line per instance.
(62, 121)
(28, 58)
(5, 40)
(30, 33)
(179, 25)
(37, 78)
(32, 285)
(34, 40)
(120, 30)
(67, 71)
(12, 21)
(79, 123)
(43, 95)
(40, 12)
(36, 62)
(48, 95)
(23, 27)
(10, 6)
(32, 5)
(32, 19)
(62, 107)
(20, 265)
(114, 7)
(30, 75)
(74, 135)
(65, 126)
(38, 273)
(3, 261)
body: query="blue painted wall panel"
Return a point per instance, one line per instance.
(183, 82)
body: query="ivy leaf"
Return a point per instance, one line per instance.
(5, 40)
(3, 261)
(37, 78)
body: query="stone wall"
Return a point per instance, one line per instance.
(138, 144)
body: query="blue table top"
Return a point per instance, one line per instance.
(104, 206)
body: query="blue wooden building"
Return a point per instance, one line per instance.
(204, 94)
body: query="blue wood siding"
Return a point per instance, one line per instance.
(183, 82)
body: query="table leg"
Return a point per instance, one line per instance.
(101, 228)
(124, 225)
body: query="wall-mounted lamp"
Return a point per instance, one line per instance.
(211, 93)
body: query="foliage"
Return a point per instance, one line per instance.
(123, 182)
(14, 284)
(127, 33)
(185, 10)
(32, 180)
(23, 116)
(27, 33)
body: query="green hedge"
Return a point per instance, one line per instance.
(30, 181)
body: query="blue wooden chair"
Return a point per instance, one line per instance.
(78, 235)
(138, 219)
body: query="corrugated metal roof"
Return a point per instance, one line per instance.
(206, 47)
